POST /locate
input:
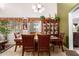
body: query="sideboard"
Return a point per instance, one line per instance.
(76, 39)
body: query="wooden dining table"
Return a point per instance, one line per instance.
(52, 39)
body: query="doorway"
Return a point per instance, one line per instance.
(73, 27)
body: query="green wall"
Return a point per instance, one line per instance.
(63, 10)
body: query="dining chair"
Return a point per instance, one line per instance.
(59, 41)
(61, 35)
(43, 43)
(28, 44)
(18, 40)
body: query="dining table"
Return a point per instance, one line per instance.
(52, 39)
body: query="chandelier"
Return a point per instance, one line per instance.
(38, 8)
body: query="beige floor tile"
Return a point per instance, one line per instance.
(10, 52)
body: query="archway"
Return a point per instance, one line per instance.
(74, 13)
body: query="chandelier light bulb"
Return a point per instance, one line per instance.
(33, 7)
(41, 10)
(39, 6)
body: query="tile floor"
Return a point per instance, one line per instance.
(10, 52)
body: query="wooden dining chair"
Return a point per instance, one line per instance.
(59, 41)
(43, 43)
(28, 44)
(61, 35)
(18, 40)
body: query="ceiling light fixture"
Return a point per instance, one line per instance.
(38, 8)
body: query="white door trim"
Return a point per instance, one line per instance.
(70, 24)
(70, 32)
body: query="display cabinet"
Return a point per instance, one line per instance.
(50, 26)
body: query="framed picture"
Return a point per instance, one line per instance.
(24, 26)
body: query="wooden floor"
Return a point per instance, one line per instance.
(10, 52)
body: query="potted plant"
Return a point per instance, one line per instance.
(57, 17)
(4, 28)
(78, 29)
(42, 18)
(67, 42)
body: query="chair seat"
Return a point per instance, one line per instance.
(18, 41)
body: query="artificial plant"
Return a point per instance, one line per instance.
(57, 17)
(4, 28)
(78, 29)
(42, 17)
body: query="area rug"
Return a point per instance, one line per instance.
(71, 53)
(8, 46)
